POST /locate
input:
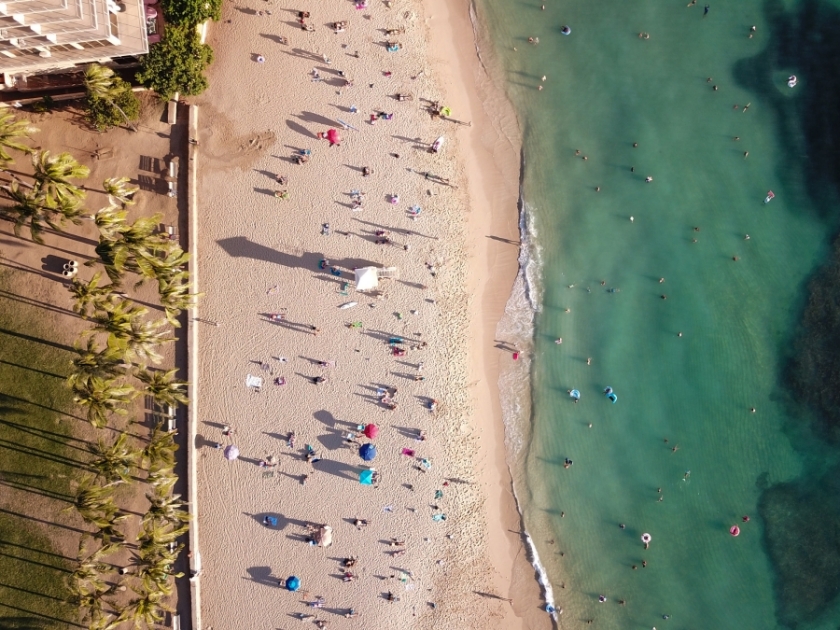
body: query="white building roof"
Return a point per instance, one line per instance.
(48, 35)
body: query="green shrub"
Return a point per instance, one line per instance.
(177, 63)
(192, 11)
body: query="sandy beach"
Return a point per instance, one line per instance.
(435, 540)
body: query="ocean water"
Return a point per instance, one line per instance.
(745, 322)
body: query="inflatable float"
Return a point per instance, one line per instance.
(436, 145)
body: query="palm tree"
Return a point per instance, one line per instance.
(89, 600)
(93, 362)
(155, 541)
(89, 294)
(119, 192)
(172, 264)
(163, 387)
(156, 572)
(144, 338)
(54, 172)
(12, 131)
(110, 220)
(104, 622)
(116, 317)
(114, 462)
(67, 208)
(134, 247)
(147, 610)
(34, 207)
(30, 206)
(162, 478)
(92, 501)
(102, 396)
(160, 451)
(166, 509)
(107, 531)
(99, 83)
(175, 296)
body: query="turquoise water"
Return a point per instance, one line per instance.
(732, 334)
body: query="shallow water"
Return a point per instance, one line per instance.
(740, 320)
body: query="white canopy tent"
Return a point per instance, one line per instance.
(367, 278)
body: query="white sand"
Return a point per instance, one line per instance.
(260, 255)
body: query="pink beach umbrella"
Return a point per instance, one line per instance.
(371, 431)
(333, 137)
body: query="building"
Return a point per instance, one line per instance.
(47, 36)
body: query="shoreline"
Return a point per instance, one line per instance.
(494, 165)
(492, 158)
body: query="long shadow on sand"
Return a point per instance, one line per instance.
(339, 469)
(291, 124)
(242, 247)
(261, 575)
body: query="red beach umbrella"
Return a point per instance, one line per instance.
(371, 431)
(333, 137)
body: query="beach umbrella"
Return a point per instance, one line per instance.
(366, 477)
(293, 583)
(371, 431)
(231, 452)
(367, 452)
(333, 137)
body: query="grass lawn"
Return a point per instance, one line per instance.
(39, 457)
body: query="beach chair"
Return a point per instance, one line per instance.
(172, 178)
(171, 419)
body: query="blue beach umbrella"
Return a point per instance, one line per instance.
(367, 452)
(293, 583)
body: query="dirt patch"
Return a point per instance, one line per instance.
(224, 149)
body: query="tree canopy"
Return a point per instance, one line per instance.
(192, 11)
(177, 63)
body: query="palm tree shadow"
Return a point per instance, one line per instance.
(261, 575)
(242, 247)
(291, 124)
(337, 468)
(317, 118)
